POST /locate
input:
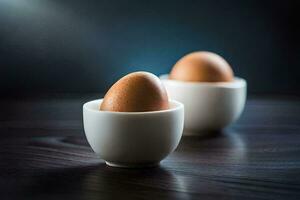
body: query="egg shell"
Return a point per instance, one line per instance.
(136, 92)
(202, 66)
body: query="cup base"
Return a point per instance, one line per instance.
(121, 165)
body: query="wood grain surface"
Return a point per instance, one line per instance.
(44, 155)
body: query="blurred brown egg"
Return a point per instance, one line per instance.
(202, 66)
(136, 92)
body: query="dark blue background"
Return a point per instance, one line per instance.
(85, 46)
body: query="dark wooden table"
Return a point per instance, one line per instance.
(44, 155)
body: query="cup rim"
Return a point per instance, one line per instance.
(237, 83)
(178, 106)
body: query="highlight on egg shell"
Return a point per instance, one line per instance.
(202, 66)
(136, 92)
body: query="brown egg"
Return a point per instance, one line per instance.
(202, 66)
(136, 92)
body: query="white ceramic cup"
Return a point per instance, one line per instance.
(208, 106)
(133, 139)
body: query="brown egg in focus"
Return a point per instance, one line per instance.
(202, 66)
(136, 92)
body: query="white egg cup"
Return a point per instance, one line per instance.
(208, 106)
(133, 139)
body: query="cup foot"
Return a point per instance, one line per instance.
(121, 165)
